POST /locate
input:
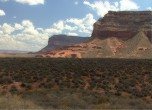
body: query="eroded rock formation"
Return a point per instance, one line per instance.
(123, 25)
(126, 34)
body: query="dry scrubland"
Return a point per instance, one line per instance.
(75, 83)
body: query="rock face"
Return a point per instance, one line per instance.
(60, 41)
(126, 34)
(123, 25)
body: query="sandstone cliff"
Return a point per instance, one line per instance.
(126, 34)
(123, 25)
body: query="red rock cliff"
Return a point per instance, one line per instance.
(123, 25)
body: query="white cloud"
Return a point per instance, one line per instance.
(70, 28)
(25, 36)
(18, 26)
(27, 23)
(29, 28)
(14, 17)
(7, 29)
(76, 2)
(59, 25)
(4, 0)
(56, 28)
(31, 2)
(72, 34)
(84, 25)
(2, 13)
(102, 7)
(149, 8)
(128, 5)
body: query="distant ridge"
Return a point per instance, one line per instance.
(60, 41)
(11, 51)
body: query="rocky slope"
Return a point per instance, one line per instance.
(126, 34)
(60, 41)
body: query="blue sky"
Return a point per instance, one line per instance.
(27, 24)
(43, 15)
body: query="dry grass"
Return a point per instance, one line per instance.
(11, 102)
(70, 99)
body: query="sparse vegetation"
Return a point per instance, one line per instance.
(76, 83)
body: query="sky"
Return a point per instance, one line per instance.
(26, 25)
